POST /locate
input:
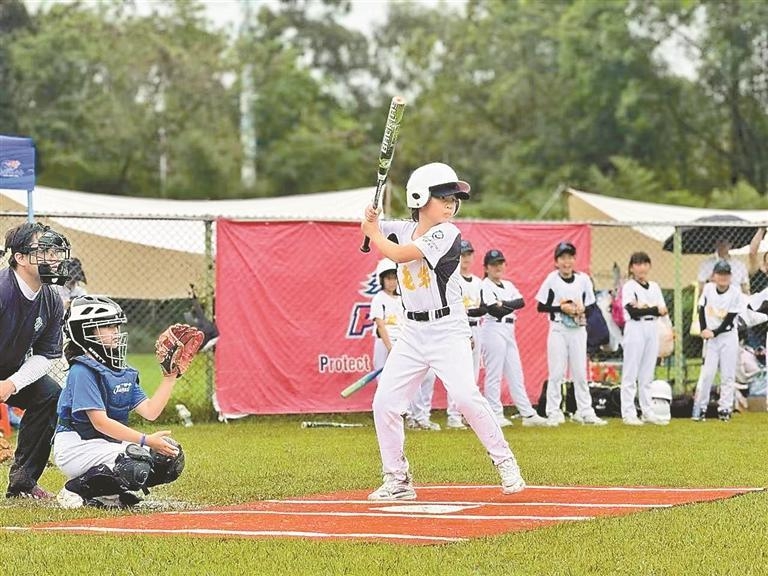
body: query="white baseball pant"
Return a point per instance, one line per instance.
(567, 350)
(421, 404)
(722, 351)
(453, 411)
(641, 348)
(502, 359)
(444, 346)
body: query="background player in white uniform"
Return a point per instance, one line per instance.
(436, 332)
(719, 304)
(564, 296)
(643, 303)
(739, 272)
(470, 287)
(387, 313)
(502, 358)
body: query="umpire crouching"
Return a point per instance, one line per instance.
(30, 338)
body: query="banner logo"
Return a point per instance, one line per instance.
(11, 169)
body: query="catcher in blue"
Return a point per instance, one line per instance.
(436, 333)
(30, 339)
(104, 459)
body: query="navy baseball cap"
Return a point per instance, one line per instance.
(721, 267)
(466, 247)
(565, 247)
(493, 256)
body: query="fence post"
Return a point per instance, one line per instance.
(208, 300)
(678, 302)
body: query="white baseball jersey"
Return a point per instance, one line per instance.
(717, 306)
(739, 274)
(640, 296)
(390, 310)
(471, 291)
(434, 281)
(555, 290)
(492, 292)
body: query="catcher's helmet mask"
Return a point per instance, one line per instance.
(85, 314)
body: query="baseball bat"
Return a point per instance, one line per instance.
(391, 131)
(354, 387)
(317, 424)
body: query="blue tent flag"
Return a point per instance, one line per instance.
(17, 163)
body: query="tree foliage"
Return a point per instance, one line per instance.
(521, 97)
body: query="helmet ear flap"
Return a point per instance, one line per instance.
(456, 207)
(417, 197)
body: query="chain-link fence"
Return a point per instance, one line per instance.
(150, 266)
(159, 270)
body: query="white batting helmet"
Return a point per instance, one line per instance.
(661, 400)
(384, 265)
(435, 179)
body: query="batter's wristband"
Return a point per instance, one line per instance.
(143, 440)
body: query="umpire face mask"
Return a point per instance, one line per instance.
(51, 255)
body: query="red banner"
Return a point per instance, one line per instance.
(292, 303)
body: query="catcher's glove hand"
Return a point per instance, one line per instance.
(6, 450)
(176, 347)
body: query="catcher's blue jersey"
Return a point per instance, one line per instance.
(93, 386)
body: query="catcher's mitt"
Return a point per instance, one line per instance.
(6, 450)
(176, 347)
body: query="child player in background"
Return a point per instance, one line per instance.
(564, 296)
(501, 298)
(387, 314)
(643, 303)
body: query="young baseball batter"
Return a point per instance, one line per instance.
(719, 304)
(436, 332)
(470, 287)
(643, 303)
(387, 313)
(500, 353)
(103, 458)
(564, 296)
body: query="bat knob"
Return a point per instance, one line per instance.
(365, 249)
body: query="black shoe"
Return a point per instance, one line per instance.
(724, 415)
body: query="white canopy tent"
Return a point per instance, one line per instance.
(152, 248)
(648, 225)
(150, 221)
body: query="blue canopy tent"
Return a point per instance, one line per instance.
(17, 167)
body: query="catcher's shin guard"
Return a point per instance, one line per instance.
(97, 481)
(166, 469)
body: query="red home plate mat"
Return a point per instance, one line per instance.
(441, 514)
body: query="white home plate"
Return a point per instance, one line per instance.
(425, 508)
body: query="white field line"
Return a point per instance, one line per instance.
(598, 488)
(384, 515)
(474, 503)
(210, 532)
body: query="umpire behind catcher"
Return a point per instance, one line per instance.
(30, 338)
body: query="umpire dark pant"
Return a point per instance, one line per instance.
(33, 446)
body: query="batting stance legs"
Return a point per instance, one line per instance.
(434, 346)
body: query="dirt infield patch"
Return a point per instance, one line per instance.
(440, 514)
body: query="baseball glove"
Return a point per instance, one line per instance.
(6, 450)
(176, 347)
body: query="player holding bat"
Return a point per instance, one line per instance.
(435, 334)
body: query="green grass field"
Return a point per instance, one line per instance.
(272, 457)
